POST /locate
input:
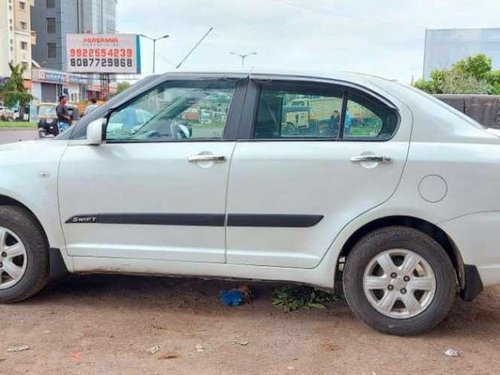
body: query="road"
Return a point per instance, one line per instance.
(9, 136)
(105, 324)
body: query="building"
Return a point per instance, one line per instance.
(48, 84)
(446, 46)
(15, 36)
(52, 20)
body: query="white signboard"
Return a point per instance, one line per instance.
(116, 53)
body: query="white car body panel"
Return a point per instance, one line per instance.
(443, 144)
(305, 178)
(29, 173)
(144, 179)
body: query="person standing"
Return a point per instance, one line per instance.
(63, 116)
(91, 107)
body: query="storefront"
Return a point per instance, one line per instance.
(48, 85)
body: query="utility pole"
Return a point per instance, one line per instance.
(195, 46)
(243, 56)
(154, 40)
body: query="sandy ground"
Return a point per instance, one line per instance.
(104, 324)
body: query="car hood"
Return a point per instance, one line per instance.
(34, 150)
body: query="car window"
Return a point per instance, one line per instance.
(174, 111)
(367, 118)
(47, 110)
(287, 110)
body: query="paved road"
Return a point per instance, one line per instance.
(9, 136)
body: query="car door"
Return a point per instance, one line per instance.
(156, 189)
(313, 156)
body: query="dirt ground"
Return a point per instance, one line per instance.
(102, 324)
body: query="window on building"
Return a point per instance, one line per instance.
(24, 46)
(51, 50)
(22, 5)
(51, 4)
(24, 26)
(51, 25)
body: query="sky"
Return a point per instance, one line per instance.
(381, 37)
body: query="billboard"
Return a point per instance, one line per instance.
(116, 53)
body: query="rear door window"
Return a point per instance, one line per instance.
(287, 110)
(291, 110)
(368, 118)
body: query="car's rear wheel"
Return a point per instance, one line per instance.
(24, 259)
(399, 281)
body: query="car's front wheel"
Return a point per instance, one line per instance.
(24, 260)
(399, 281)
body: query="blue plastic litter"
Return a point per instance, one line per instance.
(233, 297)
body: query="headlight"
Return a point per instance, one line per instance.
(49, 121)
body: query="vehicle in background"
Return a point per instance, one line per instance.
(47, 118)
(6, 114)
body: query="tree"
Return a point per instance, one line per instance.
(473, 75)
(122, 86)
(13, 92)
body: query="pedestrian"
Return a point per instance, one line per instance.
(63, 116)
(91, 107)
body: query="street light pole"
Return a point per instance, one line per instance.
(243, 56)
(154, 40)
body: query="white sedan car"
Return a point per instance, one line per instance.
(318, 180)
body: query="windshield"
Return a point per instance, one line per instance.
(47, 111)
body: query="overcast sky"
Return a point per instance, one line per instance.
(382, 37)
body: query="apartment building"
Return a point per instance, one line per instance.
(16, 37)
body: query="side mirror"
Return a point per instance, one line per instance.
(95, 132)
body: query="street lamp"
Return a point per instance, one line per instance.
(154, 40)
(243, 56)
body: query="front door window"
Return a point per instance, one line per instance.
(174, 111)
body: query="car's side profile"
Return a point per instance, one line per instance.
(311, 179)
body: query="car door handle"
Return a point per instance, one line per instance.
(215, 158)
(371, 159)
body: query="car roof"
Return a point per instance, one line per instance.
(279, 72)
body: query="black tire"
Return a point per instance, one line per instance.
(19, 221)
(397, 237)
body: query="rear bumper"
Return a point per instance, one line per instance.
(477, 238)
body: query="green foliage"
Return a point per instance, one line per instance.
(292, 298)
(17, 125)
(14, 92)
(473, 75)
(477, 66)
(122, 86)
